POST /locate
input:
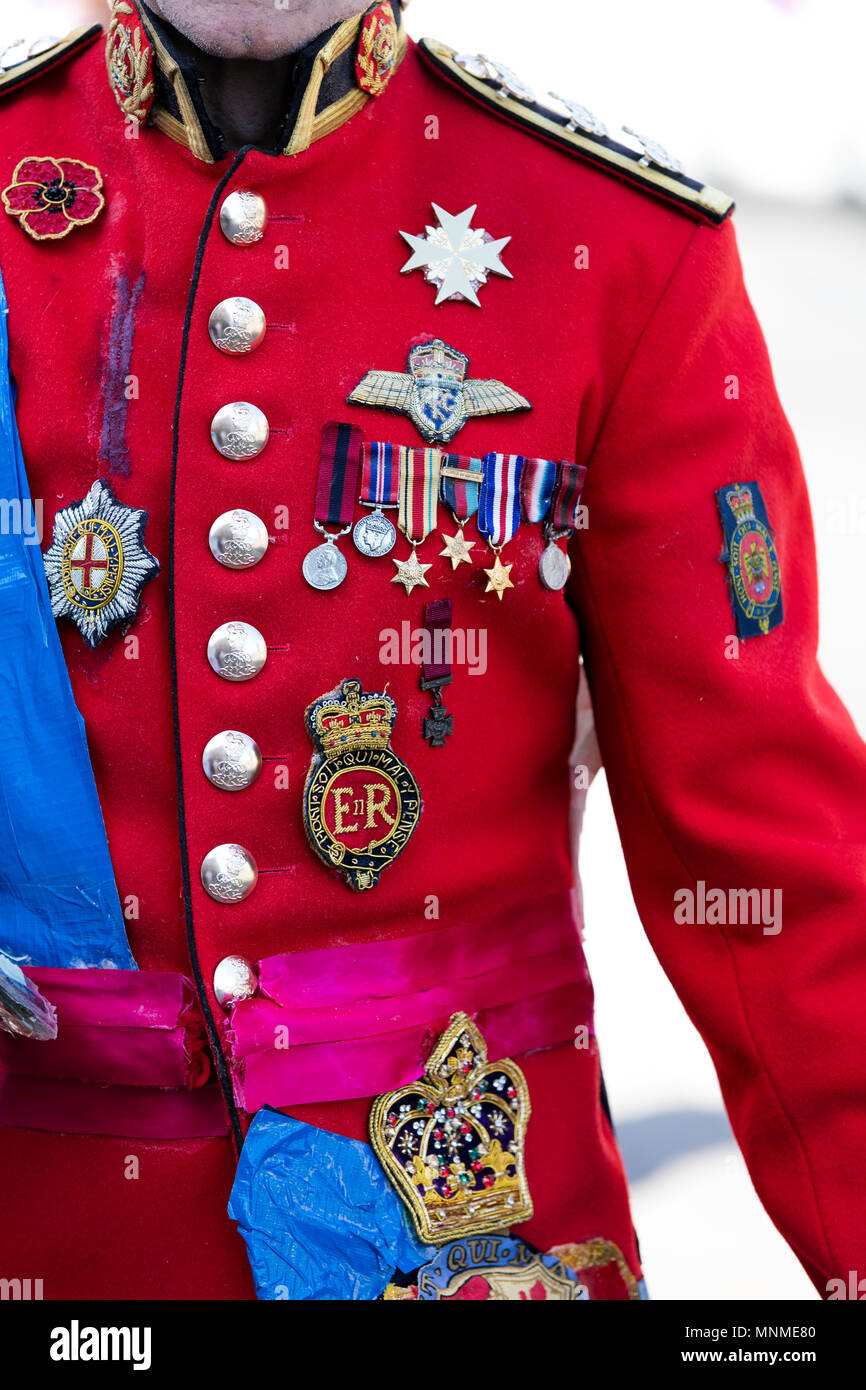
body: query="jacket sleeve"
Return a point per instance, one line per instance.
(733, 764)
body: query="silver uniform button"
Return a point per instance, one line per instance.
(237, 651)
(243, 217)
(229, 873)
(231, 760)
(238, 539)
(240, 430)
(234, 979)
(237, 325)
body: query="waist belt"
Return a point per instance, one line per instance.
(130, 1058)
(356, 1020)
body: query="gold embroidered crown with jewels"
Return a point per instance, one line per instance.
(350, 718)
(452, 1143)
(438, 362)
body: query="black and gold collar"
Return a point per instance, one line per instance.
(156, 79)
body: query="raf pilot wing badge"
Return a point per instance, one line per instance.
(435, 392)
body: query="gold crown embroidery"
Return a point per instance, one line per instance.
(452, 1143)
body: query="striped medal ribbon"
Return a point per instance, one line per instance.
(417, 510)
(339, 461)
(325, 566)
(460, 488)
(499, 513)
(536, 487)
(554, 565)
(375, 535)
(461, 481)
(380, 475)
(499, 500)
(419, 492)
(570, 478)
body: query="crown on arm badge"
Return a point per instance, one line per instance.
(740, 502)
(452, 1143)
(751, 557)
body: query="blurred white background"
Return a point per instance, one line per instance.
(763, 98)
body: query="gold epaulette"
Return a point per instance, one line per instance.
(13, 77)
(650, 168)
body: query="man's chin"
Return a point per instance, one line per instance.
(258, 29)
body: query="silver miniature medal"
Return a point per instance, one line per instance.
(375, 535)
(325, 566)
(554, 565)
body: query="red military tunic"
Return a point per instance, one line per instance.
(736, 772)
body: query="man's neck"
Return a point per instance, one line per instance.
(246, 51)
(246, 99)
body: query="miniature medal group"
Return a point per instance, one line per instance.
(361, 803)
(439, 395)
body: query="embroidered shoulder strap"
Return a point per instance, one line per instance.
(579, 132)
(59, 52)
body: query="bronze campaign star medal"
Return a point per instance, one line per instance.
(410, 573)
(498, 578)
(457, 549)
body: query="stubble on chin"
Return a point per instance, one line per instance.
(259, 29)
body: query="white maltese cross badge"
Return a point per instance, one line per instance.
(455, 256)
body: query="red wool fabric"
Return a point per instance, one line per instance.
(742, 772)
